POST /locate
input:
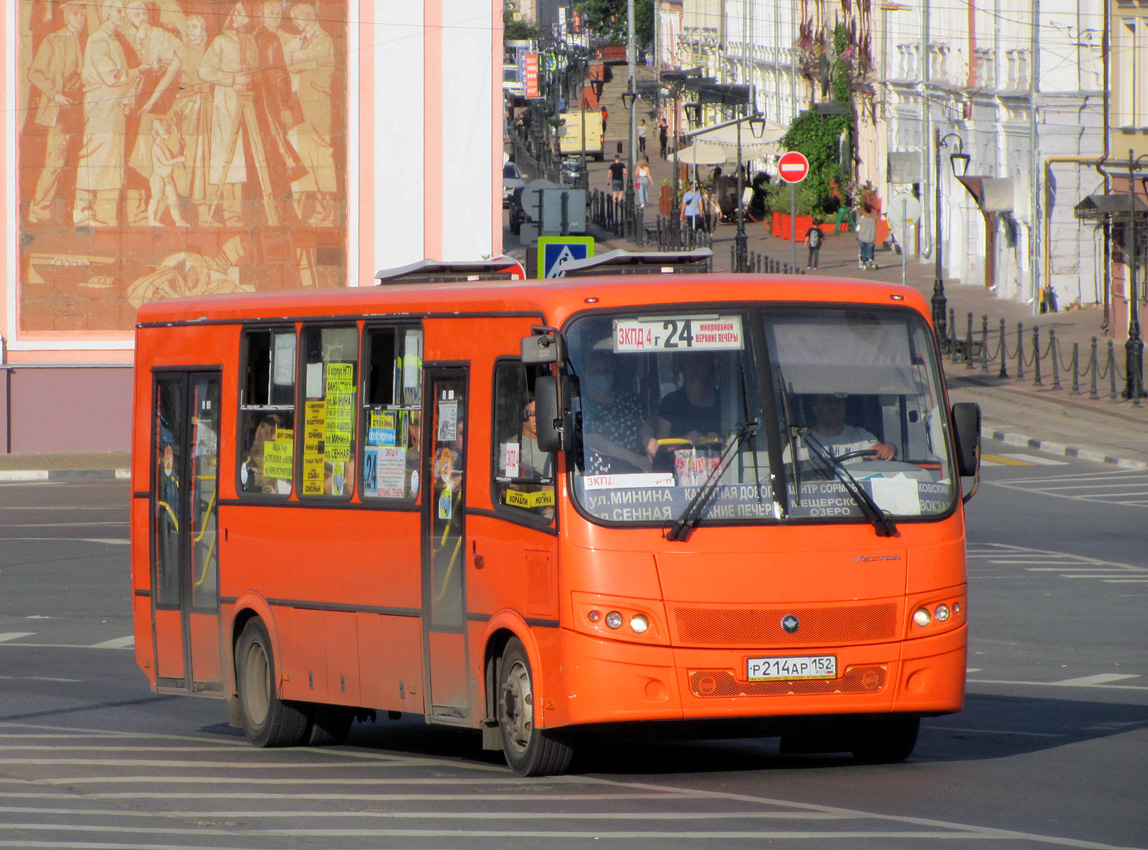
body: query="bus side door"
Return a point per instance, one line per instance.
(184, 549)
(444, 548)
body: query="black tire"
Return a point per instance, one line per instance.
(885, 740)
(267, 720)
(529, 751)
(330, 725)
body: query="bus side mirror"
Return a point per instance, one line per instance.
(553, 419)
(540, 348)
(967, 431)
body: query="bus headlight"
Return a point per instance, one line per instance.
(614, 620)
(922, 617)
(942, 613)
(639, 624)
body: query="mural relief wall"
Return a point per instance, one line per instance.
(177, 147)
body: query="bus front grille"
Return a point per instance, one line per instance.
(762, 627)
(723, 683)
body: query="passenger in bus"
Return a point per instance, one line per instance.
(839, 438)
(253, 478)
(618, 435)
(533, 463)
(693, 412)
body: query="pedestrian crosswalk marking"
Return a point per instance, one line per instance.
(19, 639)
(1020, 459)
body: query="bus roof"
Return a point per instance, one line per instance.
(555, 300)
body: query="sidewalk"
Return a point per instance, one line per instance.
(69, 466)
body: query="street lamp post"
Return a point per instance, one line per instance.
(959, 159)
(1134, 347)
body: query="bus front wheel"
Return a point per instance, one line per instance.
(267, 720)
(886, 740)
(529, 750)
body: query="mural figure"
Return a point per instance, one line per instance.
(164, 159)
(193, 112)
(278, 107)
(55, 73)
(108, 91)
(311, 58)
(159, 51)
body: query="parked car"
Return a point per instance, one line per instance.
(511, 180)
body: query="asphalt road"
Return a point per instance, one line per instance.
(1051, 750)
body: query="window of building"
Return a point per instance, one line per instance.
(330, 381)
(392, 411)
(267, 412)
(524, 474)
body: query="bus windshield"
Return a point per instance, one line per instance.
(775, 415)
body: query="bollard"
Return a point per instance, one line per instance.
(1094, 394)
(969, 343)
(1036, 356)
(1112, 369)
(1020, 350)
(1075, 368)
(985, 344)
(1004, 351)
(1055, 358)
(733, 259)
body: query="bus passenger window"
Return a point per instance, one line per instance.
(524, 474)
(392, 405)
(267, 413)
(330, 393)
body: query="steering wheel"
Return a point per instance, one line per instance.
(866, 453)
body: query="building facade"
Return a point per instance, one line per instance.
(158, 148)
(1018, 85)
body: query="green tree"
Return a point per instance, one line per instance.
(520, 30)
(818, 137)
(607, 20)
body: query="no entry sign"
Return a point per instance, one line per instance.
(793, 167)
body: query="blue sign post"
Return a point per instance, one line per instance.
(556, 251)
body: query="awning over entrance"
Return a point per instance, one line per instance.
(1111, 208)
(724, 136)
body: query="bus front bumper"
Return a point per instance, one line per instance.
(614, 681)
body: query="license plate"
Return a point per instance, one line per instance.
(791, 667)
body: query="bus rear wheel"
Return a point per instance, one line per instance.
(885, 740)
(267, 720)
(529, 750)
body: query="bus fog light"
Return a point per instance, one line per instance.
(942, 613)
(922, 617)
(639, 623)
(594, 616)
(614, 620)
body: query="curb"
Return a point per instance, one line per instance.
(32, 475)
(1049, 447)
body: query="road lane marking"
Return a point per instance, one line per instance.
(1034, 459)
(7, 636)
(116, 643)
(1097, 679)
(1065, 684)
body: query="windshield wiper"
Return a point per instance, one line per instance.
(884, 526)
(681, 527)
(791, 432)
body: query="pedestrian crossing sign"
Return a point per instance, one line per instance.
(555, 251)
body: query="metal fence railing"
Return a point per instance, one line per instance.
(1042, 360)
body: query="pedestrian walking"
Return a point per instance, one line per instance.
(605, 115)
(867, 238)
(643, 181)
(663, 136)
(618, 177)
(813, 237)
(692, 207)
(642, 137)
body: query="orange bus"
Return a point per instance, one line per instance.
(718, 505)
